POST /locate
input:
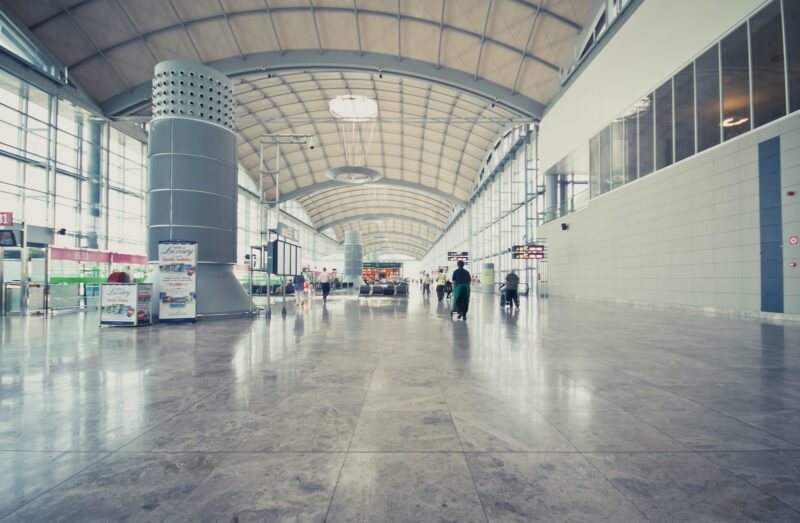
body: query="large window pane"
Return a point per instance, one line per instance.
(684, 113)
(766, 52)
(708, 110)
(617, 154)
(791, 13)
(631, 157)
(664, 125)
(594, 162)
(735, 84)
(604, 163)
(646, 136)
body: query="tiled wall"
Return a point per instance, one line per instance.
(686, 235)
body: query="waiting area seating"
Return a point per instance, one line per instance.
(388, 289)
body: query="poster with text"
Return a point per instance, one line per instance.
(177, 266)
(118, 304)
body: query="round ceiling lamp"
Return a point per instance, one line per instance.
(354, 175)
(355, 122)
(353, 108)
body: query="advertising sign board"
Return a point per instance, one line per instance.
(177, 266)
(125, 303)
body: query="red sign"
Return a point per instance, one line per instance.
(6, 218)
(129, 259)
(792, 240)
(79, 255)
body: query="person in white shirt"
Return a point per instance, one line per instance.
(325, 280)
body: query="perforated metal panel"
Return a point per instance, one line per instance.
(187, 90)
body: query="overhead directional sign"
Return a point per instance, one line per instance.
(457, 256)
(531, 251)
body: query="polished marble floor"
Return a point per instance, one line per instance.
(385, 409)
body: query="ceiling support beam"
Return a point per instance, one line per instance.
(99, 52)
(358, 27)
(332, 184)
(527, 43)
(483, 39)
(372, 216)
(138, 97)
(274, 29)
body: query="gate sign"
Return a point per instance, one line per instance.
(6, 218)
(531, 251)
(457, 256)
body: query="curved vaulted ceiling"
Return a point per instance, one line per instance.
(448, 76)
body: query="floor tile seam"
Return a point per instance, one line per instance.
(167, 420)
(796, 446)
(614, 486)
(55, 486)
(349, 444)
(553, 425)
(735, 476)
(199, 483)
(627, 411)
(460, 443)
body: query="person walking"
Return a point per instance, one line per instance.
(299, 288)
(426, 285)
(461, 280)
(441, 279)
(511, 288)
(325, 280)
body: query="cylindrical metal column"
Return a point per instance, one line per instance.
(353, 258)
(192, 169)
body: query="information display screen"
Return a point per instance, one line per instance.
(286, 258)
(7, 238)
(457, 256)
(531, 251)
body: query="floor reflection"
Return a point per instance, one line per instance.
(381, 405)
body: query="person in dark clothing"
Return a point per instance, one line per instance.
(461, 280)
(448, 289)
(299, 292)
(510, 288)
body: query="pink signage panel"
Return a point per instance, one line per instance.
(79, 255)
(132, 259)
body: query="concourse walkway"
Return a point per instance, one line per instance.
(386, 409)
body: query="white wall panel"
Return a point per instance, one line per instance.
(686, 235)
(655, 42)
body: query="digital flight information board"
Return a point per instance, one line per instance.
(457, 256)
(531, 251)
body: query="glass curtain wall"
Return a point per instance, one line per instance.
(742, 82)
(317, 247)
(495, 218)
(62, 167)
